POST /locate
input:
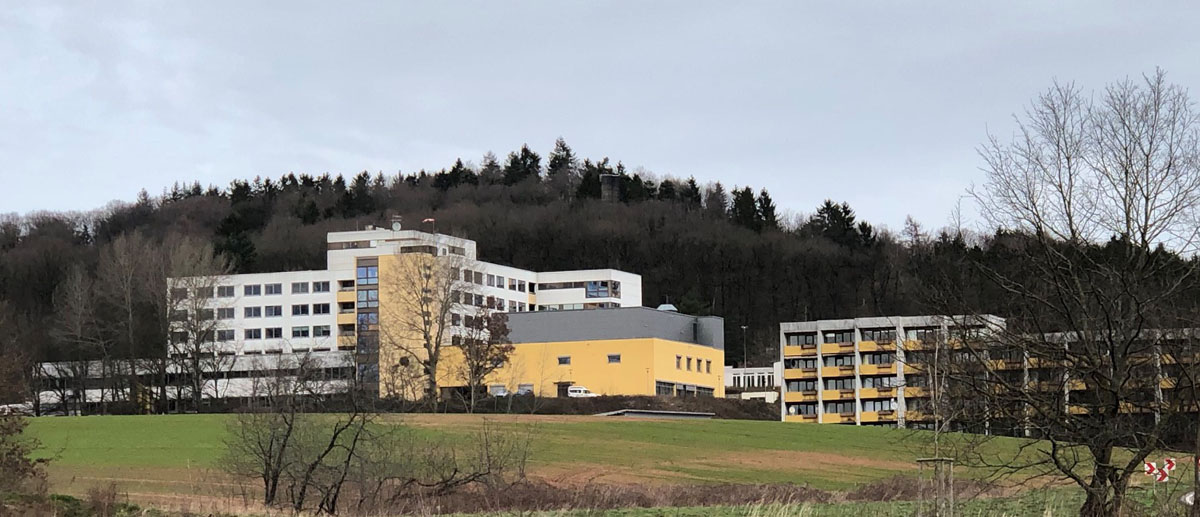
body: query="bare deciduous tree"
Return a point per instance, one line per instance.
(420, 294)
(189, 304)
(1090, 198)
(485, 347)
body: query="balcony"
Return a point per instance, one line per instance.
(800, 373)
(913, 344)
(837, 371)
(800, 351)
(915, 392)
(837, 418)
(346, 296)
(873, 346)
(914, 369)
(830, 395)
(877, 369)
(346, 341)
(878, 416)
(837, 348)
(345, 318)
(800, 396)
(808, 419)
(877, 393)
(916, 416)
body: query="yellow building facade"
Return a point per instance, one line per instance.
(623, 366)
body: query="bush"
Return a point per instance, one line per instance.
(734, 409)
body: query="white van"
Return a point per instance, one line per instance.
(580, 392)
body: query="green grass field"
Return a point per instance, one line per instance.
(585, 448)
(157, 458)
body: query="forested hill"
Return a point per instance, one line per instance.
(706, 250)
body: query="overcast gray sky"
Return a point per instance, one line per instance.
(878, 104)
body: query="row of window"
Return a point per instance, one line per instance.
(679, 364)
(565, 360)
(275, 333)
(843, 407)
(847, 383)
(592, 289)
(498, 281)
(881, 335)
(274, 311)
(227, 291)
(876, 358)
(671, 389)
(756, 380)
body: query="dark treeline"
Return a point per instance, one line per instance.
(703, 248)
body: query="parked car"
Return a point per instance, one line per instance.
(580, 392)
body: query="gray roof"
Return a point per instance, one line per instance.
(621, 323)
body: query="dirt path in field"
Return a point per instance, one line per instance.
(425, 419)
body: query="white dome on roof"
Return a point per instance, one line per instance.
(667, 307)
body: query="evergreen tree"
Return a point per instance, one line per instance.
(716, 201)
(766, 211)
(562, 160)
(837, 223)
(744, 211)
(489, 171)
(666, 190)
(522, 165)
(690, 194)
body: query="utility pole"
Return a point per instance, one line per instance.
(745, 354)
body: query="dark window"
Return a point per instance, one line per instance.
(274, 333)
(839, 384)
(252, 290)
(253, 334)
(614, 358)
(879, 335)
(840, 336)
(808, 363)
(225, 313)
(299, 331)
(564, 359)
(879, 358)
(274, 311)
(225, 291)
(321, 331)
(225, 335)
(320, 287)
(253, 312)
(839, 360)
(802, 385)
(802, 409)
(664, 388)
(880, 382)
(801, 338)
(879, 405)
(320, 308)
(299, 287)
(179, 293)
(839, 407)
(274, 288)
(300, 310)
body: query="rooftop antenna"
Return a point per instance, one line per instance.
(396, 220)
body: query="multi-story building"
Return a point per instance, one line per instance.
(754, 382)
(321, 310)
(862, 371)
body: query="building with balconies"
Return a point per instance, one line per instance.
(862, 371)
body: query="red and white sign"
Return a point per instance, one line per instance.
(1162, 476)
(1151, 468)
(1169, 464)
